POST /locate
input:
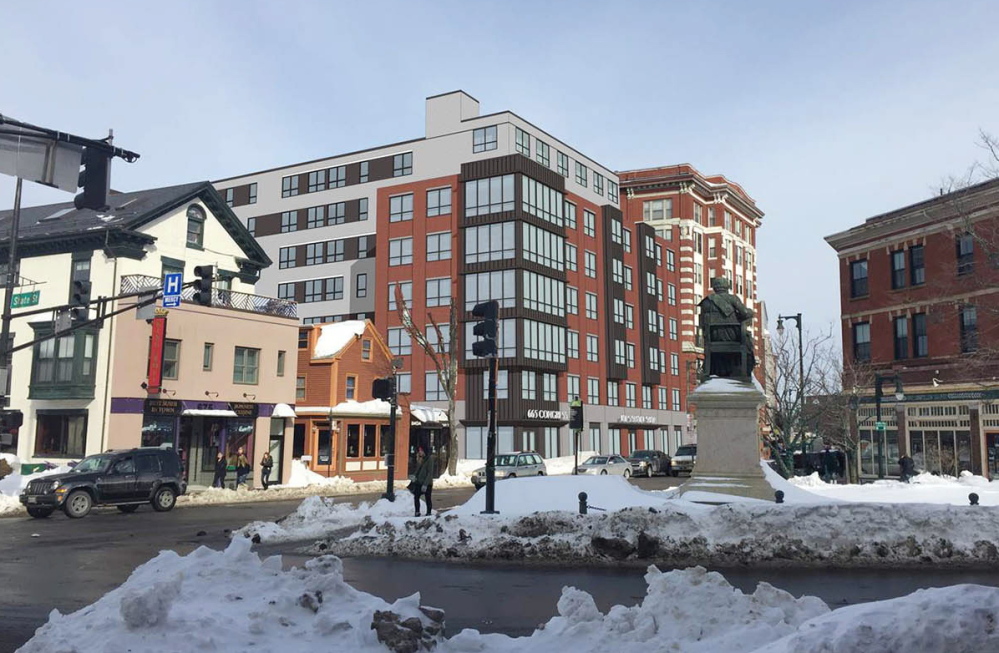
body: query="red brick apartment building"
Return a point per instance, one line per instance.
(593, 300)
(919, 289)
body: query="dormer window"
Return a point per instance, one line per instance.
(195, 226)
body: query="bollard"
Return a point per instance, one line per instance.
(582, 503)
(973, 498)
(779, 496)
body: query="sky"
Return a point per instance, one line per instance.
(827, 113)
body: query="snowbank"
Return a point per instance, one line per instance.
(11, 486)
(923, 488)
(233, 601)
(320, 516)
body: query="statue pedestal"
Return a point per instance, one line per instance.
(728, 442)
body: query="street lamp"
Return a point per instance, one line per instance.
(879, 425)
(801, 368)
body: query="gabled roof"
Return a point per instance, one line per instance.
(334, 338)
(54, 228)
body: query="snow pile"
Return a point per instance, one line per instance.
(524, 496)
(233, 601)
(319, 516)
(12, 484)
(225, 601)
(922, 488)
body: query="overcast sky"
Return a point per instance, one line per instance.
(825, 112)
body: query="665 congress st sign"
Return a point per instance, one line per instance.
(537, 413)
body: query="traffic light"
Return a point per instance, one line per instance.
(203, 284)
(383, 388)
(95, 180)
(485, 329)
(80, 303)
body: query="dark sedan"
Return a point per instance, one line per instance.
(649, 462)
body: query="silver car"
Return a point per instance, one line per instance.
(604, 465)
(512, 465)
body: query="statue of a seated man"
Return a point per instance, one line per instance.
(723, 307)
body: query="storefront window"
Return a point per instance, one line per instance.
(353, 440)
(325, 452)
(158, 430)
(384, 439)
(369, 440)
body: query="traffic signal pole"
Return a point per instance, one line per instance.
(390, 457)
(13, 272)
(491, 441)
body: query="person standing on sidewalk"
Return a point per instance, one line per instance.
(424, 482)
(221, 465)
(266, 463)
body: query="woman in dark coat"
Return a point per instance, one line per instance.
(424, 481)
(221, 464)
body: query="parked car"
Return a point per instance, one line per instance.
(126, 479)
(649, 462)
(512, 465)
(604, 465)
(684, 459)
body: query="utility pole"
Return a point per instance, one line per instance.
(13, 273)
(487, 347)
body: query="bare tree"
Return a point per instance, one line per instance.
(445, 362)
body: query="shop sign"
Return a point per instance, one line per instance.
(162, 407)
(537, 413)
(244, 409)
(637, 419)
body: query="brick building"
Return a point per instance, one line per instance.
(918, 289)
(594, 303)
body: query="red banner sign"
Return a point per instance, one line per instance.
(154, 384)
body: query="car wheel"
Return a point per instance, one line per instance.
(164, 499)
(511, 476)
(648, 471)
(78, 504)
(627, 473)
(541, 473)
(40, 513)
(675, 473)
(603, 472)
(129, 508)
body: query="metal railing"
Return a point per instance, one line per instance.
(221, 298)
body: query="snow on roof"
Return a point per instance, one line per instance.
(428, 414)
(335, 337)
(373, 408)
(726, 385)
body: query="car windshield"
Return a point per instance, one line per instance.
(642, 454)
(506, 460)
(93, 463)
(596, 460)
(686, 451)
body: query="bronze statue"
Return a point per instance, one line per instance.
(728, 346)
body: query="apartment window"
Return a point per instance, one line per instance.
(246, 364)
(571, 256)
(195, 226)
(401, 208)
(563, 163)
(502, 384)
(965, 254)
(317, 181)
(303, 338)
(64, 361)
(433, 387)
(442, 344)
(598, 183)
(676, 398)
(572, 301)
(549, 387)
(917, 265)
(439, 292)
(523, 144)
(572, 386)
(619, 355)
(438, 202)
(286, 291)
(630, 398)
(862, 341)
(406, 288)
(591, 306)
(251, 226)
(282, 355)
(315, 254)
(60, 433)
(289, 221)
(528, 385)
(674, 364)
(171, 359)
(300, 387)
(402, 164)
(663, 398)
(364, 172)
(920, 338)
(653, 210)
(593, 391)
(572, 344)
(543, 153)
(590, 264)
(399, 342)
(361, 285)
(647, 397)
(898, 269)
(613, 399)
(401, 251)
(500, 285)
(491, 195)
(671, 294)
(581, 174)
(286, 258)
(491, 242)
(969, 329)
(612, 191)
(484, 139)
(589, 223)
(901, 337)
(592, 348)
(858, 278)
(337, 177)
(673, 328)
(439, 246)
(335, 251)
(208, 356)
(670, 261)
(315, 217)
(289, 186)
(362, 247)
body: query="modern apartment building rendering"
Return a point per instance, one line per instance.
(595, 300)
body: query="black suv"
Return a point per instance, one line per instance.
(126, 479)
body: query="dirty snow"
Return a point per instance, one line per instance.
(233, 600)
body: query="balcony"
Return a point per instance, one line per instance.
(221, 298)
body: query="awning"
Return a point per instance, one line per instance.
(208, 412)
(283, 410)
(428, 415)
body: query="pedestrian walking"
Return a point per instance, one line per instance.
(266, 463)
(830, 466)
(423, 481)
(221, 465)
(242, 465)
(908, 468)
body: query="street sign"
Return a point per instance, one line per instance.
(880, 426)
(171, 289)
(24, 299)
